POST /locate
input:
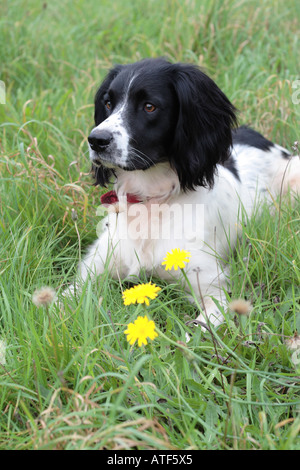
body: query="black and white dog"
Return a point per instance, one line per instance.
(165, 137)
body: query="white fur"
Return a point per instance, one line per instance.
(127, 249)
(115, 124)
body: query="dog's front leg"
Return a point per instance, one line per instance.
(209, 286)
(100, 255)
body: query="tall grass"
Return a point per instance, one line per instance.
(69, 379)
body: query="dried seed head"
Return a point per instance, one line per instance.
(44, 296)
(240, 306)
(293, 342)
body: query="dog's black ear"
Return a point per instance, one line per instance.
(101, 174)
(203, 133)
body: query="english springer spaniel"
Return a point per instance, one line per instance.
(165, 136)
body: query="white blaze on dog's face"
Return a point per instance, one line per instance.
(109, 141)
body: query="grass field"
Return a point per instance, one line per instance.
(68, 378)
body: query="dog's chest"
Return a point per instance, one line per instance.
(141, 235)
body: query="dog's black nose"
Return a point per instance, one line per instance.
(99, 139)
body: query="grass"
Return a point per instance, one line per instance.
(69, 379)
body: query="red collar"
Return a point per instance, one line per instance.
(111, 198)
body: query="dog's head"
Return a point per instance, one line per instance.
(154, 111)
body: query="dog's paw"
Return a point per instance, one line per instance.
(69, 293)
(210, 314)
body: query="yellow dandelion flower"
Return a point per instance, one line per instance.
(129, 296)
(140, 330)
(140, 294)
(176, 259)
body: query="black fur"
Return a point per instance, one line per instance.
(203, 133)
(231, 166)
(191, 130)
(244, 135)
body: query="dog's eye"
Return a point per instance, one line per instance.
(107, 104)
(149, 108)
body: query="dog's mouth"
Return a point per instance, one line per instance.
(99, 160)
(96, 162)
(103, 162)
